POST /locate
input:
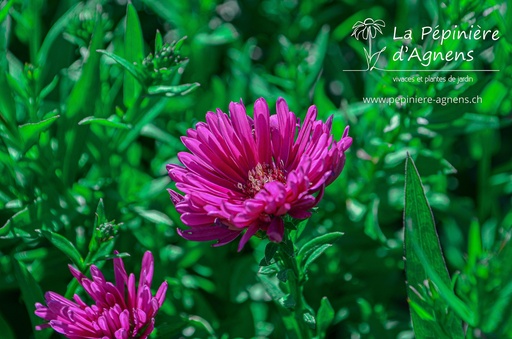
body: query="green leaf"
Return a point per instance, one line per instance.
(100, 214)
(30, 132)
(271, 287)
(446, 292)
(421, 312)
(58, 27)
(309, 319)
(270, 251)
(134, 70)
(83, 96)
(474, 244)
(318, 55)
(158, 41)
(5, 11)
(22, 224)
(153, 216)
(134, 52)
(104, 122)
(110, 257)
(170, 91)
(420, 231)
(31, 293)
(288, 301)
(268, 270)
(314, 248)
(49, 88)
(99, 219)
(5, 329)
(299, 228)
(371, 223)
(324, 318)
(283, 274)
(200, 322)
(151, 114)
(223, 34)
(66, 246)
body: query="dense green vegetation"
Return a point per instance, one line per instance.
(95, 96)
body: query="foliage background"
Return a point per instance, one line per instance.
(55, 167)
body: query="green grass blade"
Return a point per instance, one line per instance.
(420, 231)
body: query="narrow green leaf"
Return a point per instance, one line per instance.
(110, 256)
(474, 243)
(318, 55)
(371, 223)
(31, 293)
(151, 114)
(66, 246)
(134, 52)
(49, 88)
(223, 34)
(5, 329)
(130, 67)
(170, 91)
(7, 104)
(499, 308)
(30, 132)
(104, 122)
(420, 231)
(4, 11)
(268, 270)
(457, 305)
(158, 41)
(314, 248)
(22, 224)
(422, 313)
(100, 214)
(324, 318)
(310, 258)
(55, 31)
(83, 96)
(153, 216)
(196, 320)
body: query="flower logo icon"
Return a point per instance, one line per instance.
(367, 30)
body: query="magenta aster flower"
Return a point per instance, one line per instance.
(117, 313)
(247, 173)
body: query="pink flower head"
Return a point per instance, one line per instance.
(117, 313)
(247, 173)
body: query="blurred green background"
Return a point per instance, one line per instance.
(76, 128)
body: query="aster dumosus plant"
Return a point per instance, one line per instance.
(244, 175)
(120, 311)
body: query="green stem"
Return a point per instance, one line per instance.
(295, 283)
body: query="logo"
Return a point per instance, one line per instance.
(367, 30)
(424, 49)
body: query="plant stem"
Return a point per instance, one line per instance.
(288, 261)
